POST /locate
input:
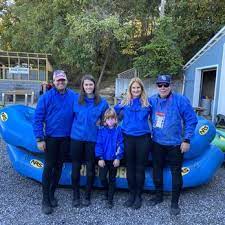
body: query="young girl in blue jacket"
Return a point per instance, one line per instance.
(88, 110)
(109, 151)
(135, 110)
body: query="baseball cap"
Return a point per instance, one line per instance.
(163, 79)
(59, 75)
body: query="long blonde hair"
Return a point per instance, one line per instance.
(143, 97)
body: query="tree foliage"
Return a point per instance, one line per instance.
(107, 37)
(162, 54)
(196, 22)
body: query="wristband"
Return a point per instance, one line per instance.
(39, 139)
(186, 141)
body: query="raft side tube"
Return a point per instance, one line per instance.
(195, 172)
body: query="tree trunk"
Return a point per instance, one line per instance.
(162, 8)
(104, 65)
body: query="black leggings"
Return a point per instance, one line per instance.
(136, 154)
(82, 150)
(110, 182)
(56, 148)
(172, 154)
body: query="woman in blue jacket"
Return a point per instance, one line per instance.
(88, 109)
(135, 110)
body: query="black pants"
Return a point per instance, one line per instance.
(108, 184)
(172, 154)
(82, 150)
(56, 148)
(136, 154)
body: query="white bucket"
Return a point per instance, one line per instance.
(206, 104)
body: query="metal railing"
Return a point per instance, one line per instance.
(128, 74)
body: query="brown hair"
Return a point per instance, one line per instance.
(97, 98)
(110, 113)
(143, 97)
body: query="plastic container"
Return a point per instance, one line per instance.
(211, 111)
(206, 104)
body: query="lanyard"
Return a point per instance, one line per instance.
(168, 102)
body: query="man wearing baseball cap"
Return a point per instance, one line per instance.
(173, 124)
(52, 124)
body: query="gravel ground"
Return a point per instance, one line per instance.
(20, 200)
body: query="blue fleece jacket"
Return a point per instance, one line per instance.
(109, 144)
(173, 119)
(135, 118)
(54, 114)
(86, 119)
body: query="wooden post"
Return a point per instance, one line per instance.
(28, 65)
(26, 102)
(4, 68)
(32, 98)
(3, 98)
(14, 98)
(38, 69)
(46, 69)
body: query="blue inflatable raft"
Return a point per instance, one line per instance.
(200, 163)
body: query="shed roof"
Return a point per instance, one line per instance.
(205, 48)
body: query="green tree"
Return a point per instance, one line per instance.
(94, 36)
(162, 54)
(196, 22)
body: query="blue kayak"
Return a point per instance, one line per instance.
(200, 163)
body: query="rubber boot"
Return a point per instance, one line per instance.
(174, 209)
(87, 199)
(76, 198)
(137, 202)
(130, 201)
(157, 199)
(46, 205)
(53, 200)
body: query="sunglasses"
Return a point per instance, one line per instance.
(163, 85)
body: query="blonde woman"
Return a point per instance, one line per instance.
(135, 110)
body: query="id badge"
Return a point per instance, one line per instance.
(160, 119)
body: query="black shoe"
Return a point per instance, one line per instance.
(137, 203)
(105, 196)
(76, 198)
(53, 202)
(174, 210)
(86, 202)
(130, 201)
(87, 199)
(46, 207)
(110, 204)
(155, 200)
(52, 199)
(76, 202)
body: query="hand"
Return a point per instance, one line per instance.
(101, 163)
(41, 145)
(116, 163)
(184, 147)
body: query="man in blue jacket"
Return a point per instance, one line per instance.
(173, 124)
(52, 124)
